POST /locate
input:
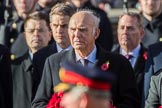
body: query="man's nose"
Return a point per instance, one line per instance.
(77, 33)
(36, 32)
(59, 29)
(125, 30)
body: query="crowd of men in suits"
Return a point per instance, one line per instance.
(45, 34)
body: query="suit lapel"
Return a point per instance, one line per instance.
(70, 56)
(117, 50)
(140, 62)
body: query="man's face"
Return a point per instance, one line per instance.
(151, 7)
(129, 33)
(78, 3)
(59, 26)
(82, 31)
(24, 7)
(37, 34)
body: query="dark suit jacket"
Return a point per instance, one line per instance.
(23, 81)
(139, 68)
(124, 90)
(5, 78)
(153, 65)
(41, 55)
(154, 99)
(39, 59)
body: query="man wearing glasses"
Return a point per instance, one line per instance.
(37, 35)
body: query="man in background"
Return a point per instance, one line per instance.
(59, 19)
(25, 79)
(130, 33)
(151, 10)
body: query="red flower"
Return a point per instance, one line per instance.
(145, 55)
(105, 66)
(160, 106)
(55, 100)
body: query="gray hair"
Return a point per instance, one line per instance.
(94, 15)
(135, 15)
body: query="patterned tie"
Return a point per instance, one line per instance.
(128, 56)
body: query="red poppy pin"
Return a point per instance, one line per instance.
(145, 55)
(55, 100)
(105, 66)
(160, 106)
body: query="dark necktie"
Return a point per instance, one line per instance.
(84, 62)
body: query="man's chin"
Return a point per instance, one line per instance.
(37, 47)
(125, 44)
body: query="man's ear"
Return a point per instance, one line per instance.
(97, 33)
(84, 100)
(142, 33)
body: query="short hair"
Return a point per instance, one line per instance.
(61, 9)
(135, 15)
(95, 16)
(37, 15)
